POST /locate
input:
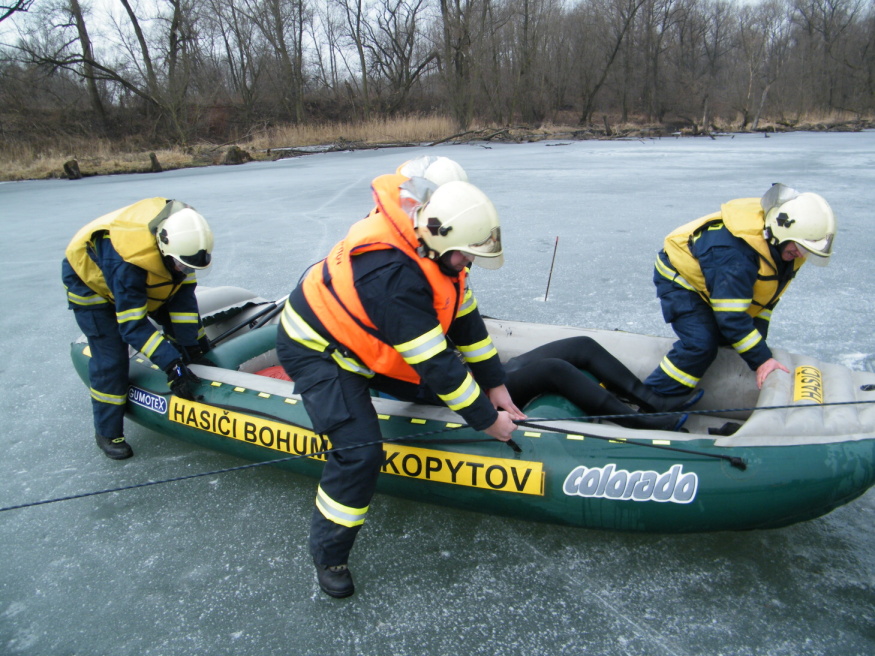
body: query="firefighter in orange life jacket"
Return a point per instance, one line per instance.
(719, 277)
(377, 313)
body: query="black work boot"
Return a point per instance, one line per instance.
(114, 447)
(335, 580)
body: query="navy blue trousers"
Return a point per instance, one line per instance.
(339, 405)
(692, 320)
(107, 368)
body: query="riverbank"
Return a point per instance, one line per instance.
(75, 159)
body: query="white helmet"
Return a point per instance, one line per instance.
(436, 169)
(186, 237)
(803, 218)
(460, 217)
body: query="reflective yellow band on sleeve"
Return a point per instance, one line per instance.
(423, 347)
(112, 399)
(480, 351)
(337, 512)
(730, 304)
(765, 315)
(184, 317)
(676, 374)
(134, 314)
(468, 305)
(748, 342)
(463, 396)
(190, 279)
(152, 344)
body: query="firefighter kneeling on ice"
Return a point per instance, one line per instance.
(120, 270)
(376, 313)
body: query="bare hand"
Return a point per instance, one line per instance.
(501, 400)
(766, 368)
(503, 427)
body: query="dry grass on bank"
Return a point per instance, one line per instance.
(98, 156)
(375, 132)
(104, 157)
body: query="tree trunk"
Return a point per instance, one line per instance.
(88, 57)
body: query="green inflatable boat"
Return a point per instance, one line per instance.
(793, 451)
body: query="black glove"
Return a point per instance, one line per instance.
(195, 355)
(181, 380)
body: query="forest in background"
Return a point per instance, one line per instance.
(149, 74)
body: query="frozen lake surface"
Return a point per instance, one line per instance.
(219, 565)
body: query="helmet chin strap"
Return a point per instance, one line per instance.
(770, 238)
(445, 268)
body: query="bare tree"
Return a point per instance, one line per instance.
(87, 58)
(398, 53)
(356, 31)
(242, 52)
(825, 23)
(603, 25)
(9, 8)
(460, 22)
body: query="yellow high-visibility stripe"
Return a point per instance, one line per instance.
(152, 344)
(478, 352)
(134, 314)
(677, 374)
(300, 331)
(462, 396)
(112, 399)
(303, 333)
(730, 304)
(667, 272)
(468, 305)
(423, 347)
(351, 364)
(183, 317)
(85, 300)
(751, 340)
(337, 512)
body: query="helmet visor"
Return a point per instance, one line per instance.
(815, 257)
(200, 260)
(487, 253)
(821, 248)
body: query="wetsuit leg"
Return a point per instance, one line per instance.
(556, 368)
(529, 377)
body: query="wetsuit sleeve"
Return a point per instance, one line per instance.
(396, 297)
(128, 286)
(730, 274)
(469, 334)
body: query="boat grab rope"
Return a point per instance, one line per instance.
(734, 461)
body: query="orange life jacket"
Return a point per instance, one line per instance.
(330, 288)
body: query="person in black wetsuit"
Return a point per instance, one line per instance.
(562, 368)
